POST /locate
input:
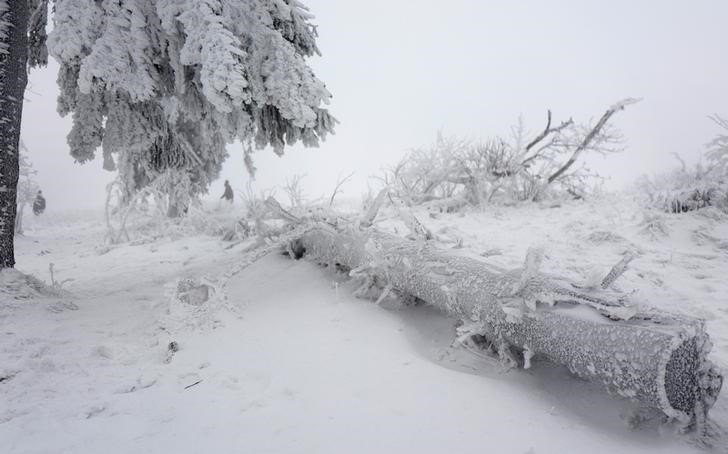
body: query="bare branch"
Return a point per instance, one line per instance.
(279, 211)
(543, 135)
(617, 270)
(590, 136)
(548, 130)
(294, 191)
(374, 208)
(339, 183)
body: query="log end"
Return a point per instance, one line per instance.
(691, 382)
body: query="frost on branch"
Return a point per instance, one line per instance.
(522, 167)
(165, 85)
(690, 188)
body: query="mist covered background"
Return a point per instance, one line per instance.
(401, 71)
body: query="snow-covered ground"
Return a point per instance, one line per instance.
(284, 359)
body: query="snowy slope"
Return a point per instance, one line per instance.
(290, 361)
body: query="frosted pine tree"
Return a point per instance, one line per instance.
(163, 86)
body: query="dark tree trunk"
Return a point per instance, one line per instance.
(13, 79)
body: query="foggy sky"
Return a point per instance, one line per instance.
(402, 70)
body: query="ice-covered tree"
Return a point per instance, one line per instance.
(162, 86)
(167, 84)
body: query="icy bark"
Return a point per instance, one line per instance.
(656, 358)
(13, 79)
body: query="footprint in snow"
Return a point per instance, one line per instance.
(94, 411)
(142, 382)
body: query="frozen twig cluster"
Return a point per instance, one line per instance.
(453, 172)
(690, 188)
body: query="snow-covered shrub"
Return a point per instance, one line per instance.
(254, 203)
(522, 167)
(678, 191)
(685, 189)
(294, 191)
(692, 188)
(164, 208)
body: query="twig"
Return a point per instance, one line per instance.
(193, 384)
(617, 270)
(374, 208)
(591, 136)
(279, 211)
(337, 188)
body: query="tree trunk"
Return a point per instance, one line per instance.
(13, 79)
(656, 358)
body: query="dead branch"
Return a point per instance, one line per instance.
(193, 384)
(275, 207)
(617, 270)
(339, 183)
(294, 191)
(591, 136)
(548, 131)
(368, 218)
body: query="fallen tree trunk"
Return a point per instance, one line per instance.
(650, 356)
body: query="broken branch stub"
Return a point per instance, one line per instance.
(653, 357)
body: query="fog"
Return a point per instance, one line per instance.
(401, 71)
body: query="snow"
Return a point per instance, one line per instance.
(284, 358)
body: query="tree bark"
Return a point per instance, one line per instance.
(656, 358)
(13, 79)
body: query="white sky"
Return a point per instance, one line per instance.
(402, 70)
